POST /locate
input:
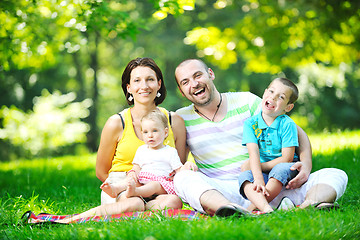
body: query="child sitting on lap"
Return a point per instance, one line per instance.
(271, 138)
(153, 162)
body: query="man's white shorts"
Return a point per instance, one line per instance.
(189, 186)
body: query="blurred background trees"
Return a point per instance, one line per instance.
(81, 47)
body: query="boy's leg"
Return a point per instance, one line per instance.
(257, 198)
(279, 176)
(274, 187)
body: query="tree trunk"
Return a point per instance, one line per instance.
(93, 134)
(81, 95)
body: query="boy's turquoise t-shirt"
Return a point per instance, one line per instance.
(271, 139)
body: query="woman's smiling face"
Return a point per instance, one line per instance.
(144, 84)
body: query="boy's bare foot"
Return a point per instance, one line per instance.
(130, 191)
(106, 187)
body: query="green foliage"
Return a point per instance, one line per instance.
(312, 43)
(272, 36)
(67, 185)
(54, 122)
(83, 47)
(69, 42)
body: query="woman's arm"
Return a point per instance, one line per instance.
(110, 136)
(179, 130)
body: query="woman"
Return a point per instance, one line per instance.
(143, 86)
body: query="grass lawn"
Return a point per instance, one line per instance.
(68, 185)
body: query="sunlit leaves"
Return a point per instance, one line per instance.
(217, 45)
(34, 32)
(274, 35)
(54, 122)
(173, 7)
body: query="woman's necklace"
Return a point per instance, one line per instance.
(217, 109)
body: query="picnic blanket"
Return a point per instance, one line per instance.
(181, 214)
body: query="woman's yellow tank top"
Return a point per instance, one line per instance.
(129, 143)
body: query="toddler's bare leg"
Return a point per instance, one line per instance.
(106, 187)
(146, 190)
(131, 189)
(113, 189)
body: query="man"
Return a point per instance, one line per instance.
(214, 125)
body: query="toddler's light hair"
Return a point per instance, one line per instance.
(156, 116)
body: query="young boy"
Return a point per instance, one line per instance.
(153, 162)
(271, 138)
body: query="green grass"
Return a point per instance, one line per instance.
(68, 185)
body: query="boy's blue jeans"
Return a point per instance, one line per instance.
(280, 172)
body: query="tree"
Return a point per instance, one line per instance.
(39, 34)
(301, 39)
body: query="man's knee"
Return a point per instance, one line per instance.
(321, 193)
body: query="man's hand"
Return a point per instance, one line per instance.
(301, 178)
(189, 166)
(245, 166)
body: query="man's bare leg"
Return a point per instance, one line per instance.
(319, 193)
(213, 200)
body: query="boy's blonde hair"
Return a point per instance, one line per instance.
(156, 116)
(294, 90)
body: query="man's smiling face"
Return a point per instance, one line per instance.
(195, 82)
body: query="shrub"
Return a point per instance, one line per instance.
(55, 122)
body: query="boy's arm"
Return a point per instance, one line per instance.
(287, 155)
(305, 155)
(255, 166)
